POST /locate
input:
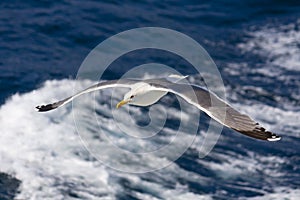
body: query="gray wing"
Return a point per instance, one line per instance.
(102, 85)
(99, 86)
(217, 109)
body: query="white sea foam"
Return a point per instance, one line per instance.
(43, 150)
(234, 166)
(45, 153)
(279, 46)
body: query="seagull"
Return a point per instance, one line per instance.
(149, 91)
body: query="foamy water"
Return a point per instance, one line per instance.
(278, 45)
(46, 154)
(44, 151)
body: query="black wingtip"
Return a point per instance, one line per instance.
(45, 108)
(261, 133)
(274, 138)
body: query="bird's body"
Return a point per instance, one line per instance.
(146, 96)
(149, 91)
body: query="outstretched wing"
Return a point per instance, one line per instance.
(99, 86)
(219, 110)
(106, 84)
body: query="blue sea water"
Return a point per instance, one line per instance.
(255, 44)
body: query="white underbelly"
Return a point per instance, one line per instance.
(149, 98)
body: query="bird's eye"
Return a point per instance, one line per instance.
(131, 96)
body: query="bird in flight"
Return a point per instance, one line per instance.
(149, 91)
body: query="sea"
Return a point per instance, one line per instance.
(255, 45)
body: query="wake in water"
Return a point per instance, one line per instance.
(46, 154)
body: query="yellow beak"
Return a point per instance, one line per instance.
(121, 103)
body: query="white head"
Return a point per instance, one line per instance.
(135, 95)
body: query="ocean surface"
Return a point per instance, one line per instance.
(254, 43)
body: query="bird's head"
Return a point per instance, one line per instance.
(128, 98)
(135, 95)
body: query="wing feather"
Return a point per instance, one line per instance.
(99, 86)
(219, 110)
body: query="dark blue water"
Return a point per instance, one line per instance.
(48, 40)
